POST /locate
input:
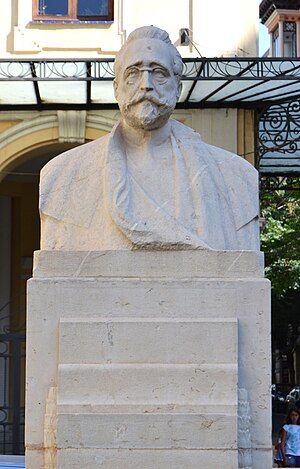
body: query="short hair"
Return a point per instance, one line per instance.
(150, 32)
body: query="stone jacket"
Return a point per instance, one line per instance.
(89, 201)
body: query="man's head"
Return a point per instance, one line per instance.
(148, 69)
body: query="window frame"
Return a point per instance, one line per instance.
(290, 38)
(72, 13)
(275, 42)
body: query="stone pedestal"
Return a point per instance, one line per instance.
(148, 360)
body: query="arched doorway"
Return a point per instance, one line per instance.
(27, 143)
(19, 238)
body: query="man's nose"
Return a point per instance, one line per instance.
(146, 81)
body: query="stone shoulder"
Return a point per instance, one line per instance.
(217, 155)
(76, 158)
(224, 156)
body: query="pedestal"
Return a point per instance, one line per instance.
(148, 360)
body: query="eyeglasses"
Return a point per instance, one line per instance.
(157, 74)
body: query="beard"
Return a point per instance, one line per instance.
(147, 112)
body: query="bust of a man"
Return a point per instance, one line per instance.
(152, 183)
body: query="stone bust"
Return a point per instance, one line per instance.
(152, 183)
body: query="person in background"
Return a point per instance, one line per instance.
(290, 439)
(278, 459)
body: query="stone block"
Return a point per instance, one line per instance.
(147, 384)
(147, 459)
(35, 458)
(145, 340)
(159, 264)
(148, 430)
(168, 340)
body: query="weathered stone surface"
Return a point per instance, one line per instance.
(147, 459)
(138, 362)
(152, 183)
(150, 384)
(148, 431)
(35, 458)
(186, 264)
(169, 341)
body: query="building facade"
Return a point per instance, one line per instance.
(282, 18)
(32, 131)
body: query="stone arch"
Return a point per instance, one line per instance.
(39, 130)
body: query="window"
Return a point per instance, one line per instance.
(289, 39)
(82, 10)
(275, 40)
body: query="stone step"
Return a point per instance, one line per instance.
(148, 430)
(147, 459)
(147, 384)
(140, 340)
(154, 298)
(161, 264)
(224, 409)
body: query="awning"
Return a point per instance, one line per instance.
(248, 83)
(269, 86)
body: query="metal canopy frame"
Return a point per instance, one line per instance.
(268, 86)
(271, 183)
(247, 83)
(278, 138)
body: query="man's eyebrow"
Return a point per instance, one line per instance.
(151, 64)
(158, 64)
(135, 64)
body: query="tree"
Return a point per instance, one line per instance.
(280, 242)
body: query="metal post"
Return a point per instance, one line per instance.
(16, 394)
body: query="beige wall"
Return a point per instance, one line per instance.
(218, 28)
(25, 134)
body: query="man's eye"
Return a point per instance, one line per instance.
(132, 73)
(160, 73)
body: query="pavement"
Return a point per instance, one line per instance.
(12, 462)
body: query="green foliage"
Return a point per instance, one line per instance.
(280, 240)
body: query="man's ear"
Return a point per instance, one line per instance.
(116, 89)
(179, 90)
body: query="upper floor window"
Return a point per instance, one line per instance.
(275, 40)
(289, 39)
(286, 45)
(85, 10)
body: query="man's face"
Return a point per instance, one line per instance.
(146, 87)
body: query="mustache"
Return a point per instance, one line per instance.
(146, 97)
